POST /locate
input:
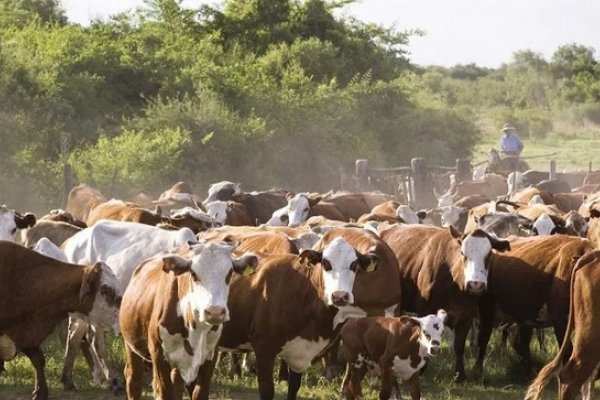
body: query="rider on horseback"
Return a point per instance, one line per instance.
(510, 143)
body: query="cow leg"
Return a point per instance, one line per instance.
(355, 372)
(284, 374)
(588, 386)
(40, 391)
(521, 345)
(76, 332)
(574, 375)
(346, 390)
(330, 362)
(486, 326)
(102, 365)
(134, 374)
(294, 382)
(201, 388)
(178, 383)
(461, 330)
(265, 363)
(414, 387)
(386, 381)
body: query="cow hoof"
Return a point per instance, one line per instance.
(116, 387)
(68, 384)
(459, 377)
(39, 394)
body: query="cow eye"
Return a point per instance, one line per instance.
(326, 265)
(194, 276)
(354, 266)
(13, 231)
(428, 336)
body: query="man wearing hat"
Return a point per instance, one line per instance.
(510, 143)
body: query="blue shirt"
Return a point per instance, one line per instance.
(511, 143)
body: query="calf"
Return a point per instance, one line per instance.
(578, 372)
(441, 269)
(399, 345)
(172, 316)
(297, 323)
(37, 292)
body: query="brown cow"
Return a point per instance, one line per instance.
(525, 195)
(389, 345)
(569, 201)
(172, 315)
(180, 195)
(305, 293)
(37, 292)
(261, 205)
(229, 213)
(592, 178)
(302, 206)
(60, 215)
(529, 285)
(82, 199)
(439, 269)
(56, 232)
(579, 372)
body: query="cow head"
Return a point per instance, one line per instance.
(576, 224)
(340, 263)
(196, 220)
(101, 294)
(475, 248)
(218, 211)
(451, 215)
(432, 327)
(210, 267)
(280, 217)
(548, 225)
(299, 206)
(446, 199)
(10, 221)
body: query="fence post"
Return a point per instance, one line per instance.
(552, 174)
(590, 167)
(423, 184)
(464, 170)
(362, 173)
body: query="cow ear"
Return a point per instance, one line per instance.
(368, 262)
(314, 200)
(289, 196)
(454, 232)
(89, 286)
(25, 221)
(313, 256)
(245, 265)
(177, 264)
(443, 315)
(498, 244)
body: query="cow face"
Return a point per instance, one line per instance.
(10, 221)
(576, 224)
(545, 225)
(210, 268)
(340, 262)
(218, 211)
(476, 248)
(299, 207)
(432, 327)
(107, 300)
(280, 217)
(450, 215)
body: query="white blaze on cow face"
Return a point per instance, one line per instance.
(105, 310)
(298, 209)
(8, 226)
(339, 271)
(544, 225)
(211, 263)
(430, 337)
(407, 214)
(218, 211)
(476, 249)
(280, 217)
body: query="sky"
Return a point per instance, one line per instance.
(485, 32)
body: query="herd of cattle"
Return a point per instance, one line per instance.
(292, 276)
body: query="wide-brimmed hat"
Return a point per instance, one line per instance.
(507, 127)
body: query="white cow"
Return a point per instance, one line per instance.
(10, 221)
(121, 245)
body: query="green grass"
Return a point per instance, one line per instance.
(503, 379)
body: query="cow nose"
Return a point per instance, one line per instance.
(340, 298)
(435, 350)
(476, 287)
(214, 315)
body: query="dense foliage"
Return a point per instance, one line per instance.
(265, 92)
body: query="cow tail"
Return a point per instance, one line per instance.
(547, 373)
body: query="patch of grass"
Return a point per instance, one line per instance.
(503, 378)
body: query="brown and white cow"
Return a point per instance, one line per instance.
(400, 346)
(82, 199)
(11, 221)
(37, 292)
(228, 213)
(578, 372)
(296, 324)
(172, 315)
(441, 269)
(529, 285)
(180, 195)
(261, 205)
(302, 206)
